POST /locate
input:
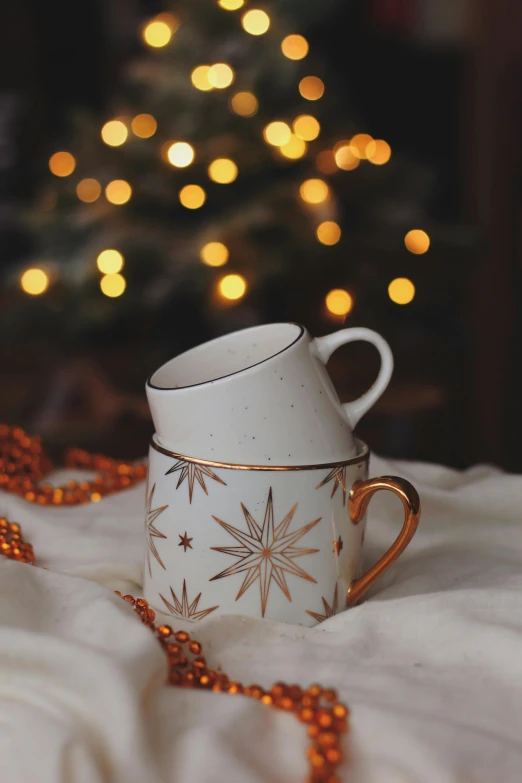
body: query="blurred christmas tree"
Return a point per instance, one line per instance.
(224, 188)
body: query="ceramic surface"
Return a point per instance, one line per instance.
(268, 543)
(261, 396)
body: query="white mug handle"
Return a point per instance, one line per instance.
(324, 348)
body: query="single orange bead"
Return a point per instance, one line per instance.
(313, 731)
(129, 598)
(306, 714)
(324, 719)
(314, 690)
(267, 699)
(340, 711)
(142, 603)
(285, 703)
(204, 680)
(199, 662)
(334, 755)
(195, 647)
(235, 687)
(327, 739)
(164, 631)
(181, 636)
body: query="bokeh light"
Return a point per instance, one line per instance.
(199, 78)
(325, 162)
(339, 302)
(417, 241)
(34, 281)
(277, 133)
(62, 164)
(295, 47)
(378, 152)
(359, 145)
(306, 127)
(314, 191)
(255, 21)
(401, 290)
(114, 133)
(192, 196)
(88, 190)
(110, 261)
(222, 170)
(345, 159)
(144, 126)
(220, 76)
(214, 254)
(311, 88)
(328, 232)
(244, 103)
(113, 285)
(232, 286)
(157, 33)
(231, 5)
(118, 191)
(294, 148)
(180, 154)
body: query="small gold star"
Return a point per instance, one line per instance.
(192, 471)
(185, 542)
(338, 545)
(338, 476)
(329, 611)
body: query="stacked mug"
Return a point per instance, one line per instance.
(257, 489)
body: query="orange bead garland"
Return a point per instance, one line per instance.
(23, 464)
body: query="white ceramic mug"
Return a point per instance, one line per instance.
(261, 396)
(281, 542)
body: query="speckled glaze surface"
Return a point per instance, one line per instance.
(267, 543)
(261, 396)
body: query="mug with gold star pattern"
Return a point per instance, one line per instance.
(282, 542)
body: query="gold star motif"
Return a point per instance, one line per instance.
(185, 542)
(338, 476)
(266, 552)
(329, 611)
(338, 545)
(194, 472)
(182, 609)
(151, 531)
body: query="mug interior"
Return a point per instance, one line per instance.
(226, 356)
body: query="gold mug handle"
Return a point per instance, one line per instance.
(360, 495)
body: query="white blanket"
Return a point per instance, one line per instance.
(430, 664)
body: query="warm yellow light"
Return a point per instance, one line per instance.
(180, 154)
(339, 302)
(62, 164)
(114, 133)
(345, 159)
(294, 148)
(34, 281)
(311, 88)
(378, 152)
(118, 191)
(401, 290)
(144, 126)
(110, 261)
(359, 145)
(244, 103)
(306, 127)
(220, 76)
(328, 233)
(325, 162)
(113, 285)
(314, 191)
(88, 190)
(231, 5)
(157, 33)
(214, 254)
(417, 241)
(232, 286)
(192, 196)
(295, 47)
(222, 170)
(199, 78)
(255, 22)
(277, 133)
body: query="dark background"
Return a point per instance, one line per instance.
(441, 82)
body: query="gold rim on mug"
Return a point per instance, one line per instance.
(363, 456)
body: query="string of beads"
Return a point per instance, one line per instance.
(23, 464)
